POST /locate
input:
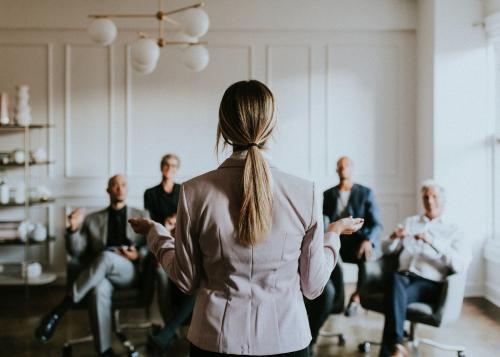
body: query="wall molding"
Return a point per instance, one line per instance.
(128, 102)
(329, 121)
(269, 63)
(68, 173)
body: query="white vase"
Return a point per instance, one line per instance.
(24, 230)
(39, 232)
(23, 110)
(4, 193)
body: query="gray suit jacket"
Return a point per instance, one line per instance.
(249, 299)
(90, 239)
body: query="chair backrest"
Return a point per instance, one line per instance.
(374, 275)
(451, 300)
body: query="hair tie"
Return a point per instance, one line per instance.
(252, 144)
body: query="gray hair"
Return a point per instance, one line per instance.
(435, 185)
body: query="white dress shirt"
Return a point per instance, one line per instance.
(445, 252)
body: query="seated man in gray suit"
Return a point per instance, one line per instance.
(112, 252)
(429, 249)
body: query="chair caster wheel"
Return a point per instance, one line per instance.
(341, 341)
(133, 354)
(461, 354)
(364, 347)
(67, 351)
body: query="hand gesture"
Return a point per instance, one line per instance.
(170, 222)
(141, 225)
(365, 249)
(399, 232)
(346, 225)
(130, 253)
(75, 219)
(422, 237)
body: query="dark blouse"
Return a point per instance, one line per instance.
(161, 204)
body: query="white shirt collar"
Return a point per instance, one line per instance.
(425, 219)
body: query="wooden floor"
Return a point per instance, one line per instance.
(478, 329)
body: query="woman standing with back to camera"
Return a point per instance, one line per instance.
(249, 241)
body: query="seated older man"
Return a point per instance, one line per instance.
(429, 249)
(113, 254)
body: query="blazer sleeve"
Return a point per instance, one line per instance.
(179, 256)
(319, 254)
(372, 226)
(76, 242)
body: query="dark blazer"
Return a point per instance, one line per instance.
(361, 204)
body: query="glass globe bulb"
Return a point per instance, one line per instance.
(195, 22)
(196, 57)
(102, 31)
(145, 51)
(144, 69)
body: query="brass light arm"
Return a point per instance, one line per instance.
(185, 43)
(161, 15)
(106, 16)
(162, 42)
(201, 4)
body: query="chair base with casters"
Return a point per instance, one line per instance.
(135, 297)
(340, 337)
(117, 329)
(414, 342)
(375, 277)
(338, 306)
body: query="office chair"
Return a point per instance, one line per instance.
(136, 297)
(375, 276)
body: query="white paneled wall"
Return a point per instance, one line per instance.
(338, 92)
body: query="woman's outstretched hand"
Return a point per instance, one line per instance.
(346, 225)
(141, 225)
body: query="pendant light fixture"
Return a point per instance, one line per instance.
(192, 22)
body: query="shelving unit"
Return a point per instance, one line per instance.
(10, 273)
(14, 165)
(30, 203)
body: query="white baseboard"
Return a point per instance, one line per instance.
(474, 290)
(492, 294)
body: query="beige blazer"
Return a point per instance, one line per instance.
(249, 299)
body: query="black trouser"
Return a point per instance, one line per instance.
(349, 246)
(319, 309)
(198, 352)
(182, 307)
(405, 288)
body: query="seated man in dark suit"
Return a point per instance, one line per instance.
(113, 253)
(344, 200)
(429, 249)
(351, 199)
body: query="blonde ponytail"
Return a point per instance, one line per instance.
(246, 121)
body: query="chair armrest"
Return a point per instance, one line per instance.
(374, 274)
(451, 299)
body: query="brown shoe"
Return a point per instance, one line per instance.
(399, 351)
